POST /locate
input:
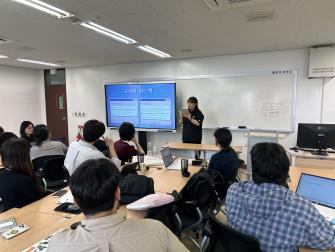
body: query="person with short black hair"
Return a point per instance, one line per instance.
(83, 150)
(95, 189)
(26, 131)
(1, 130)
(43, 145)
(267, 210)
(225, 160)
(127, 146)
(19, 185)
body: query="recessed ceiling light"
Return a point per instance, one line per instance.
(108, 32)
(38, 62)
(3, 57)
(154, 51)
(44, 7)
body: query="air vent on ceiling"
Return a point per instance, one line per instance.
(260, 16)
(220, 5)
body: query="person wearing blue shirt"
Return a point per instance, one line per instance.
(225, 160)
(266, 209)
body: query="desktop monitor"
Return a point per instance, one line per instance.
(316, 136)
(149, 106)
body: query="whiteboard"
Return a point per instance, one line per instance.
(261, 101)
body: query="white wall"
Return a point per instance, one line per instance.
(85, 92)
(21, 97)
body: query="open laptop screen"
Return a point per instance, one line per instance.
(167, 156)
(317, 189)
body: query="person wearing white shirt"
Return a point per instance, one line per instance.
(83, 150)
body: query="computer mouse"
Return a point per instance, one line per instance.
(72, 208)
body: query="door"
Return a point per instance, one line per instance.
(56, 107)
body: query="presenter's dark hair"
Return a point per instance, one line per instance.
(93, 130)
(23, 126)
(127, 131)
(194, 100)
(270, 164)
(94, 184)
(223, 137)
(40, 133)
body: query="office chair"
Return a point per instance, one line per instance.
(54, 175)
(222, 238)
(39, 162)
(129, 169)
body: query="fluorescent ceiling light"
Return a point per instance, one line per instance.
(39, 62)
(47, 8)
(103, 30)
(3, 57)
(154, 51)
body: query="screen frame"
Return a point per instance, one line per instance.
(107, 84)
(301, 175)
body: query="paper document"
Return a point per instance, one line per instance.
(66, 198)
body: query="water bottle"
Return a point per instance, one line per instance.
(149, 150)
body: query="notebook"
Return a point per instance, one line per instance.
(320, 191)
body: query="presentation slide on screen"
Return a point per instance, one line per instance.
(149, 106)
(317, 189)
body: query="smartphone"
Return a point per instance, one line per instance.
(59, 193)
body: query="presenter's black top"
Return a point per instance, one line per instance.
(191, 132)
(17, 189)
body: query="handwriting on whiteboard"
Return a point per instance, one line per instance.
(271, 109)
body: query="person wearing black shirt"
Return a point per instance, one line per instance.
(26, 131)
(192, 122)
(18, 184)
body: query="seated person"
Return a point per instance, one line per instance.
(18, 183)
(43, 145)
(5, 136)
(83, 150)
(127, 146)
(1, 130)
(225, 161)
(26, 131)
(95, 189)
(265, 209)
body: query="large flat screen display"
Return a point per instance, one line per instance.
(146, 105)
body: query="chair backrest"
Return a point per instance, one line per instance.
(39, 162)
(53, 169)
(226, 239)
(129, 169)
(205, 188)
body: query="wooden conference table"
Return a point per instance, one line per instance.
(43, 220)
(185, 149)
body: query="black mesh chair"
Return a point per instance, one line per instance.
(54, 175)
(129, 169)
(39, 162)
(222, 238)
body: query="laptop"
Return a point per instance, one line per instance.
(320, 191)
(170, 162)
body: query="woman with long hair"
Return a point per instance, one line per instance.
(26, 131)
(19, 185)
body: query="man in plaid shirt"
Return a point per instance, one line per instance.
(267, 210)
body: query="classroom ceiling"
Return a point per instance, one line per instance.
(182, 28)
